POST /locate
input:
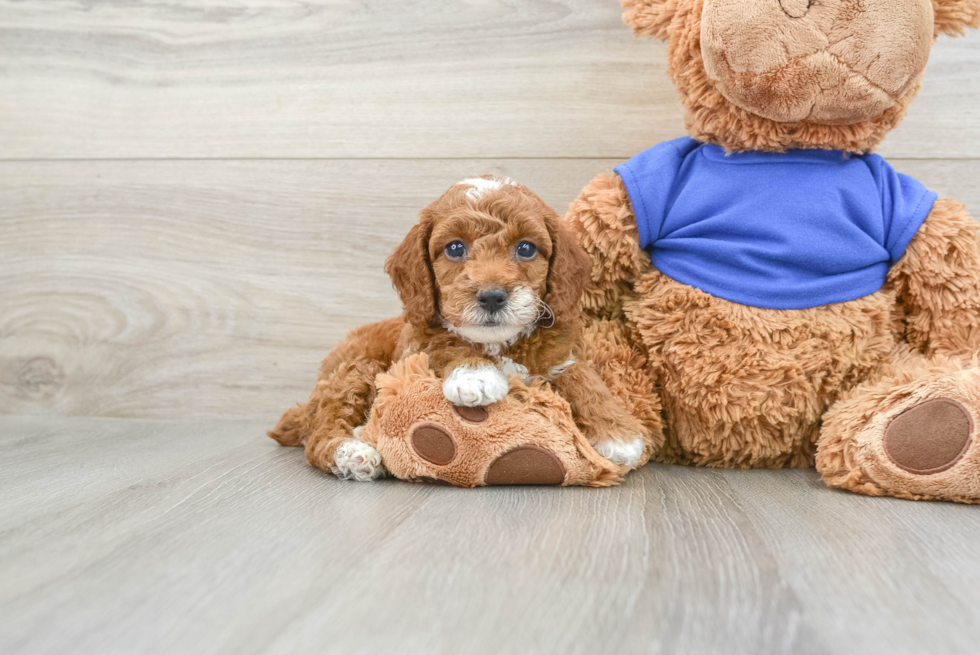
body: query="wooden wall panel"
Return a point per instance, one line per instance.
(212, 288)
(384, 78)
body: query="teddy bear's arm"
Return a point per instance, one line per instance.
(937, 281)
(603, 221)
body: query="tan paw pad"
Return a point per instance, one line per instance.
(526, 465)
(929, 437)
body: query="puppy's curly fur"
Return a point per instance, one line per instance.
(491, 282)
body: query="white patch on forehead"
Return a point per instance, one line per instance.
(481, 185)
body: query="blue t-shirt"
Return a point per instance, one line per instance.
(779, 230)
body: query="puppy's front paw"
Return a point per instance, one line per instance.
(475, 386)
(355, 460)
(622, 452)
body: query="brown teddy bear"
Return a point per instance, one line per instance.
(797, 300)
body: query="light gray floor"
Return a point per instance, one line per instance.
(134, 536)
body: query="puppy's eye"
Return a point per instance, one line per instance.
(456, 250)
(525, 250)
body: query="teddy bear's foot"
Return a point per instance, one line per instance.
(521, 464)
(527, 437)
(355, 460)
(920, 444)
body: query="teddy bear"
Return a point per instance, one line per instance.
(766, 292)
(796, 300)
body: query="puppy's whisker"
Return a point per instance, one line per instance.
(545, 311)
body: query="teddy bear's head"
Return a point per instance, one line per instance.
(779, 74)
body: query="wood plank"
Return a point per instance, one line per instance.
(839, 551)
(239, 546)
(212, 289)
(337, 78)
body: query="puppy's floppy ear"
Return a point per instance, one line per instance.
(649, 17)
(411, 274)
(954, 16)
(570, 268)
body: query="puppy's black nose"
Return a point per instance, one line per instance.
(492, 300)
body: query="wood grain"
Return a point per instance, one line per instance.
(122, 536)
(212, 289)
(382, 78)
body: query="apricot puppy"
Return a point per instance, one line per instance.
(490, 281)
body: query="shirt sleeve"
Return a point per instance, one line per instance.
(905, 204)
(649, 178)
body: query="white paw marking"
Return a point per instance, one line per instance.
(355, 460)
(481, 185)
(475, 386)
(624, 453)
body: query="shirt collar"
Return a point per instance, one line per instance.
(717, 153)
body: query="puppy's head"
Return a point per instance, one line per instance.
(490, 261)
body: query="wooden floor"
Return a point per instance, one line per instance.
(127, 536)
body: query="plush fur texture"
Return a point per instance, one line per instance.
(483, 236)
(343, 394)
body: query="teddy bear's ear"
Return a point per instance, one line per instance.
(954, 16)
(651, 17)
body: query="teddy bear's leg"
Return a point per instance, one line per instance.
(912, 433)
(528, 437)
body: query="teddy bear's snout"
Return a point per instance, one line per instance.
(796, 8)
(834, 62)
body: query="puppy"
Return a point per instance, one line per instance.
(490, 281)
